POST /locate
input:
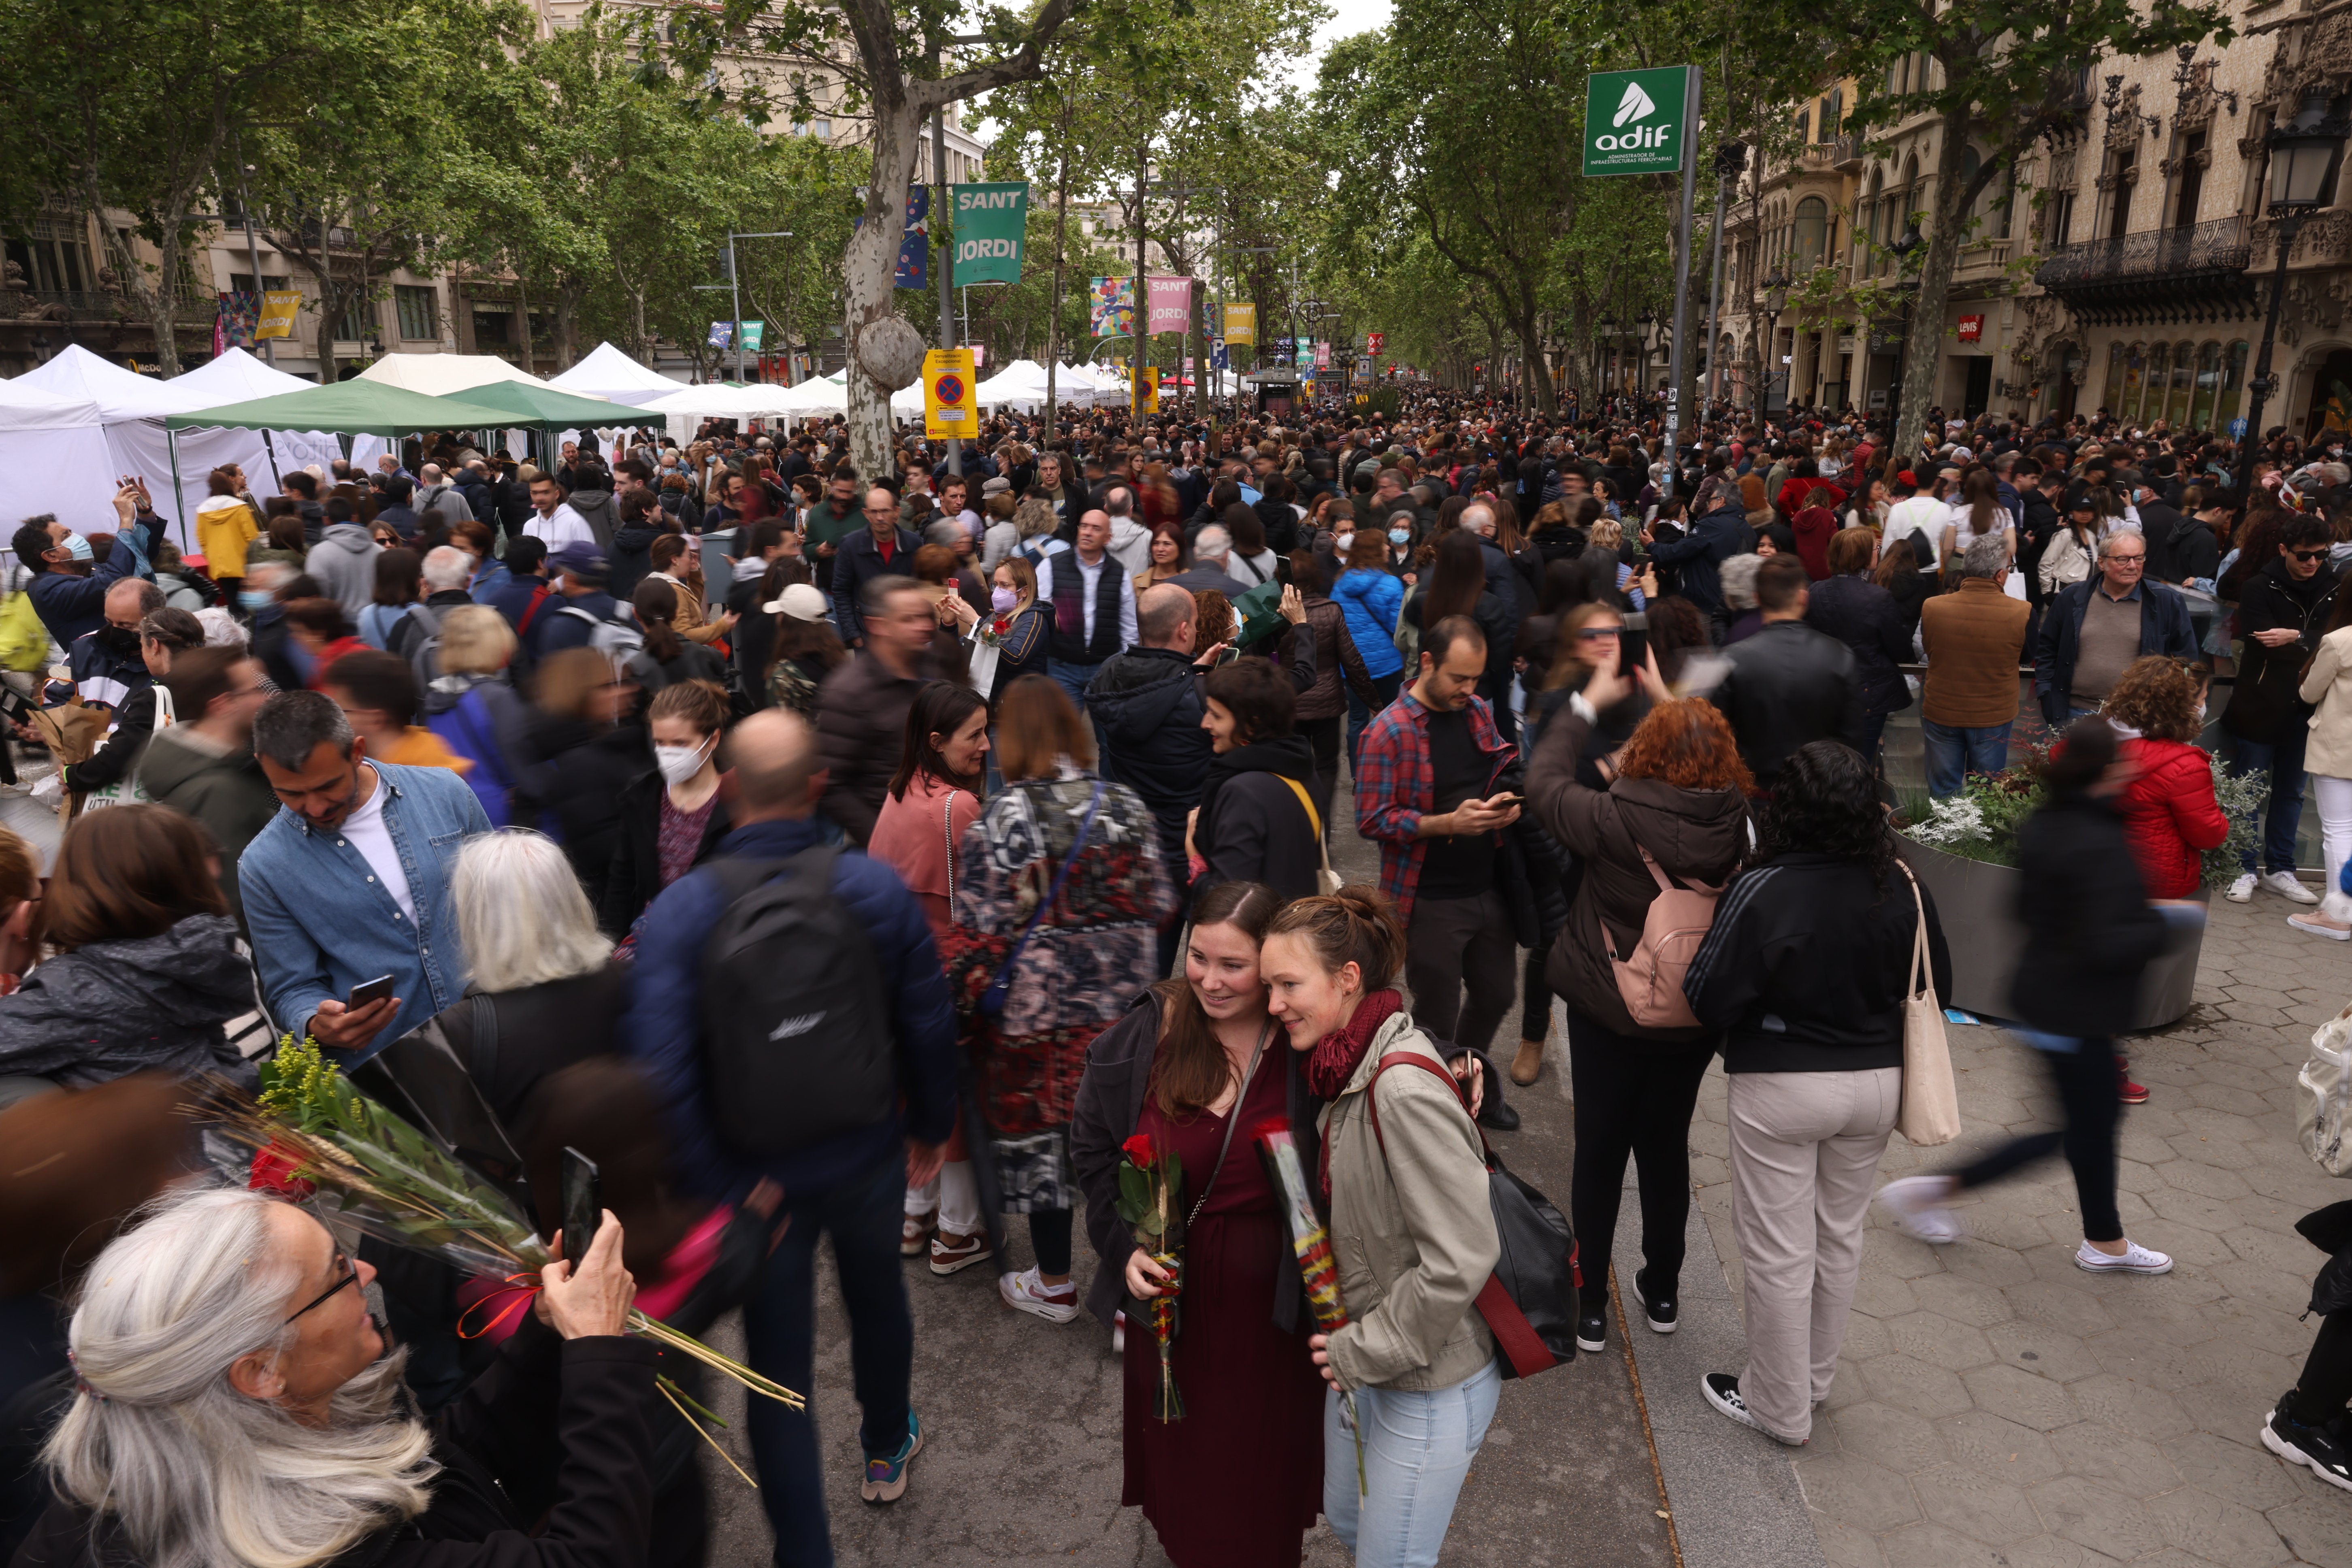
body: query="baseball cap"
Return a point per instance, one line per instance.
(578, 559)
(801, 601)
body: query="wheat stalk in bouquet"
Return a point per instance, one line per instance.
(314, 1135)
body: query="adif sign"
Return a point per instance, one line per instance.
(1633, 122)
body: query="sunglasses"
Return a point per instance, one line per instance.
(350, 1276)
(2308, 555)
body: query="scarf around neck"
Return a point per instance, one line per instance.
(1337, 1055)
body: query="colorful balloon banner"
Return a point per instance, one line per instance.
(1111, 307)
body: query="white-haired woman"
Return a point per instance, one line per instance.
(235, 1407)
(540, 975)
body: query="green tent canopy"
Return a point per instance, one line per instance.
(546, 408)
(353, 408)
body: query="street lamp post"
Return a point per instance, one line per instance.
(2302, 153)
(1776, 300)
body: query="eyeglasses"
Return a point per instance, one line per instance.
(2308, 555)
(2127, 560)
(350, 1277)
(1595, 634)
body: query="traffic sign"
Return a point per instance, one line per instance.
(1373, 342)
(1634, 122)
(947, 407)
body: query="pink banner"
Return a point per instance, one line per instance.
(1171, 304)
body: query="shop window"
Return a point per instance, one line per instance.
(2233, 384)
(2111, 396)
(2208, 382)
(2156, 383)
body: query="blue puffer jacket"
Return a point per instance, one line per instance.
(72, 606)
(1370, 598)
(664, 1027)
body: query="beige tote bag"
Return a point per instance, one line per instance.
(1931, 1100)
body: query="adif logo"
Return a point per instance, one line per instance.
(800, 1025)
(1632, 106)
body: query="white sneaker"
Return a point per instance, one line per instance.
(1917, 1205)
(2241, 889)
(2288, 886)
(1027, 1292)
(2318, 925)
(2134, 1259)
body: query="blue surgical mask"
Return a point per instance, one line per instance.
(77, 546)
(255, 598)
(1399, 536)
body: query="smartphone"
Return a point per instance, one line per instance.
(368, 991)
(583, 1205)
(1509, 801)
(1634, 645)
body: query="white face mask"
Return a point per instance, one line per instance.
(679, 763)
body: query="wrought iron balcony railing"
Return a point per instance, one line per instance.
(2222, 245)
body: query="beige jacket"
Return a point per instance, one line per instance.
(1414, 1232)
(2330, 750)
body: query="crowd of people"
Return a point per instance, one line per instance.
(871, 856)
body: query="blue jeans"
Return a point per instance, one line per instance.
(2282, 759)
(1956, 751)
(1418, 1449)
(863, 1216)
(1359, 713)
(1073, 679)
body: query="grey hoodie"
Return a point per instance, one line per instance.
(343, 564)
(112, 1008)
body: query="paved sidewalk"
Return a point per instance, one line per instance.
(1998, 1406)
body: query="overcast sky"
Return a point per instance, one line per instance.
(1348, 18)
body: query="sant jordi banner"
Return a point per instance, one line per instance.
(990, 222)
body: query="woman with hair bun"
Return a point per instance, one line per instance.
(1197, 1063)
(1412, 1229)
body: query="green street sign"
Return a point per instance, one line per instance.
(1634, 122)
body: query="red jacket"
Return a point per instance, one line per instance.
(2170, 815)
(1791, 499)
(1813, 526)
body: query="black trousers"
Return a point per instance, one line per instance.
(1049, 1237)
(1454, 946)
(1633, 1097)
(2085, 1078)
(1535, 996)
(1323, 734)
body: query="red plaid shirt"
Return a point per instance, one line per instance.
(1394, 789)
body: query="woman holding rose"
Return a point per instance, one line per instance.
(1197, 1063)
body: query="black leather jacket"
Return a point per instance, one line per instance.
(1787, 687)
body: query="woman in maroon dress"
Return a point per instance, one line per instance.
(1197, 1063)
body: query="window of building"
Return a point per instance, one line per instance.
(1833, 113)
(493, 328)
(2184, 370)
(1805, 123)
(2209, 381)
(56, 260)
(2119, 202)
(2135, 381)
(2111, 396)
(272, 283)
(2061, 223)
(2234, 384)
(418, 309)
(2192, 180)
(358, 324)
(1811, 231)
(2158, 375)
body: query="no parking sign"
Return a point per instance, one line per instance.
(949, 376)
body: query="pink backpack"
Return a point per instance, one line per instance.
(1650, 978)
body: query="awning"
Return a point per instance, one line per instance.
(358, 407)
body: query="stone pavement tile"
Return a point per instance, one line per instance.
(2000, 1447)
(1938, 1340)
(2091, 1514)
(2046, 1352)
(1874, 1431)
(2208, 1525)
(2130, 1406)
(1947, 1548)
(2017, 1395)
(1912, 1385)
(1862, 1493)
(2116, 1458)
(2317, 1526)
(2239, 1470)
(1968, 1501)
(2047, 1551)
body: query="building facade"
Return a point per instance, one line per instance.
(2123, 269)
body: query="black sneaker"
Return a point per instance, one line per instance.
(1722, 1391)
(1592, 1331)
(2311, 1446)
(1658, 1306)
(1496, 1114)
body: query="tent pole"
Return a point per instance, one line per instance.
(269, 450)
(179, 498)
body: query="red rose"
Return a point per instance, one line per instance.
(273, 1172)
(1138, 1150)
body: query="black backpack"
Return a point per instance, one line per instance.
(795, 1017)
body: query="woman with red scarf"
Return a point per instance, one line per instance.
(1404, 1174)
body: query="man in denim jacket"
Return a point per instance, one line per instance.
(351, 880)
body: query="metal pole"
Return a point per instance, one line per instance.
(1691, 78)
(735, 294)
(944, 213)
(253, 254)
(2260, 386)
(1142, 322)
(1725, 170)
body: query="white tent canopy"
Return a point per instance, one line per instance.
(233, 376)
(442, 375)
(823, 394)
(75, 372)
(609, 372)
(52, 447)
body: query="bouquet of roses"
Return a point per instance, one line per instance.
(317, 1139)
(1148, 1181)
(1317, 1270)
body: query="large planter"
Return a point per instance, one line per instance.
(1976, 901)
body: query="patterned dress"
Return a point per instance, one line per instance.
(1089, 956)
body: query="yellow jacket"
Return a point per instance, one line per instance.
(419, 747)
(225, 527)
